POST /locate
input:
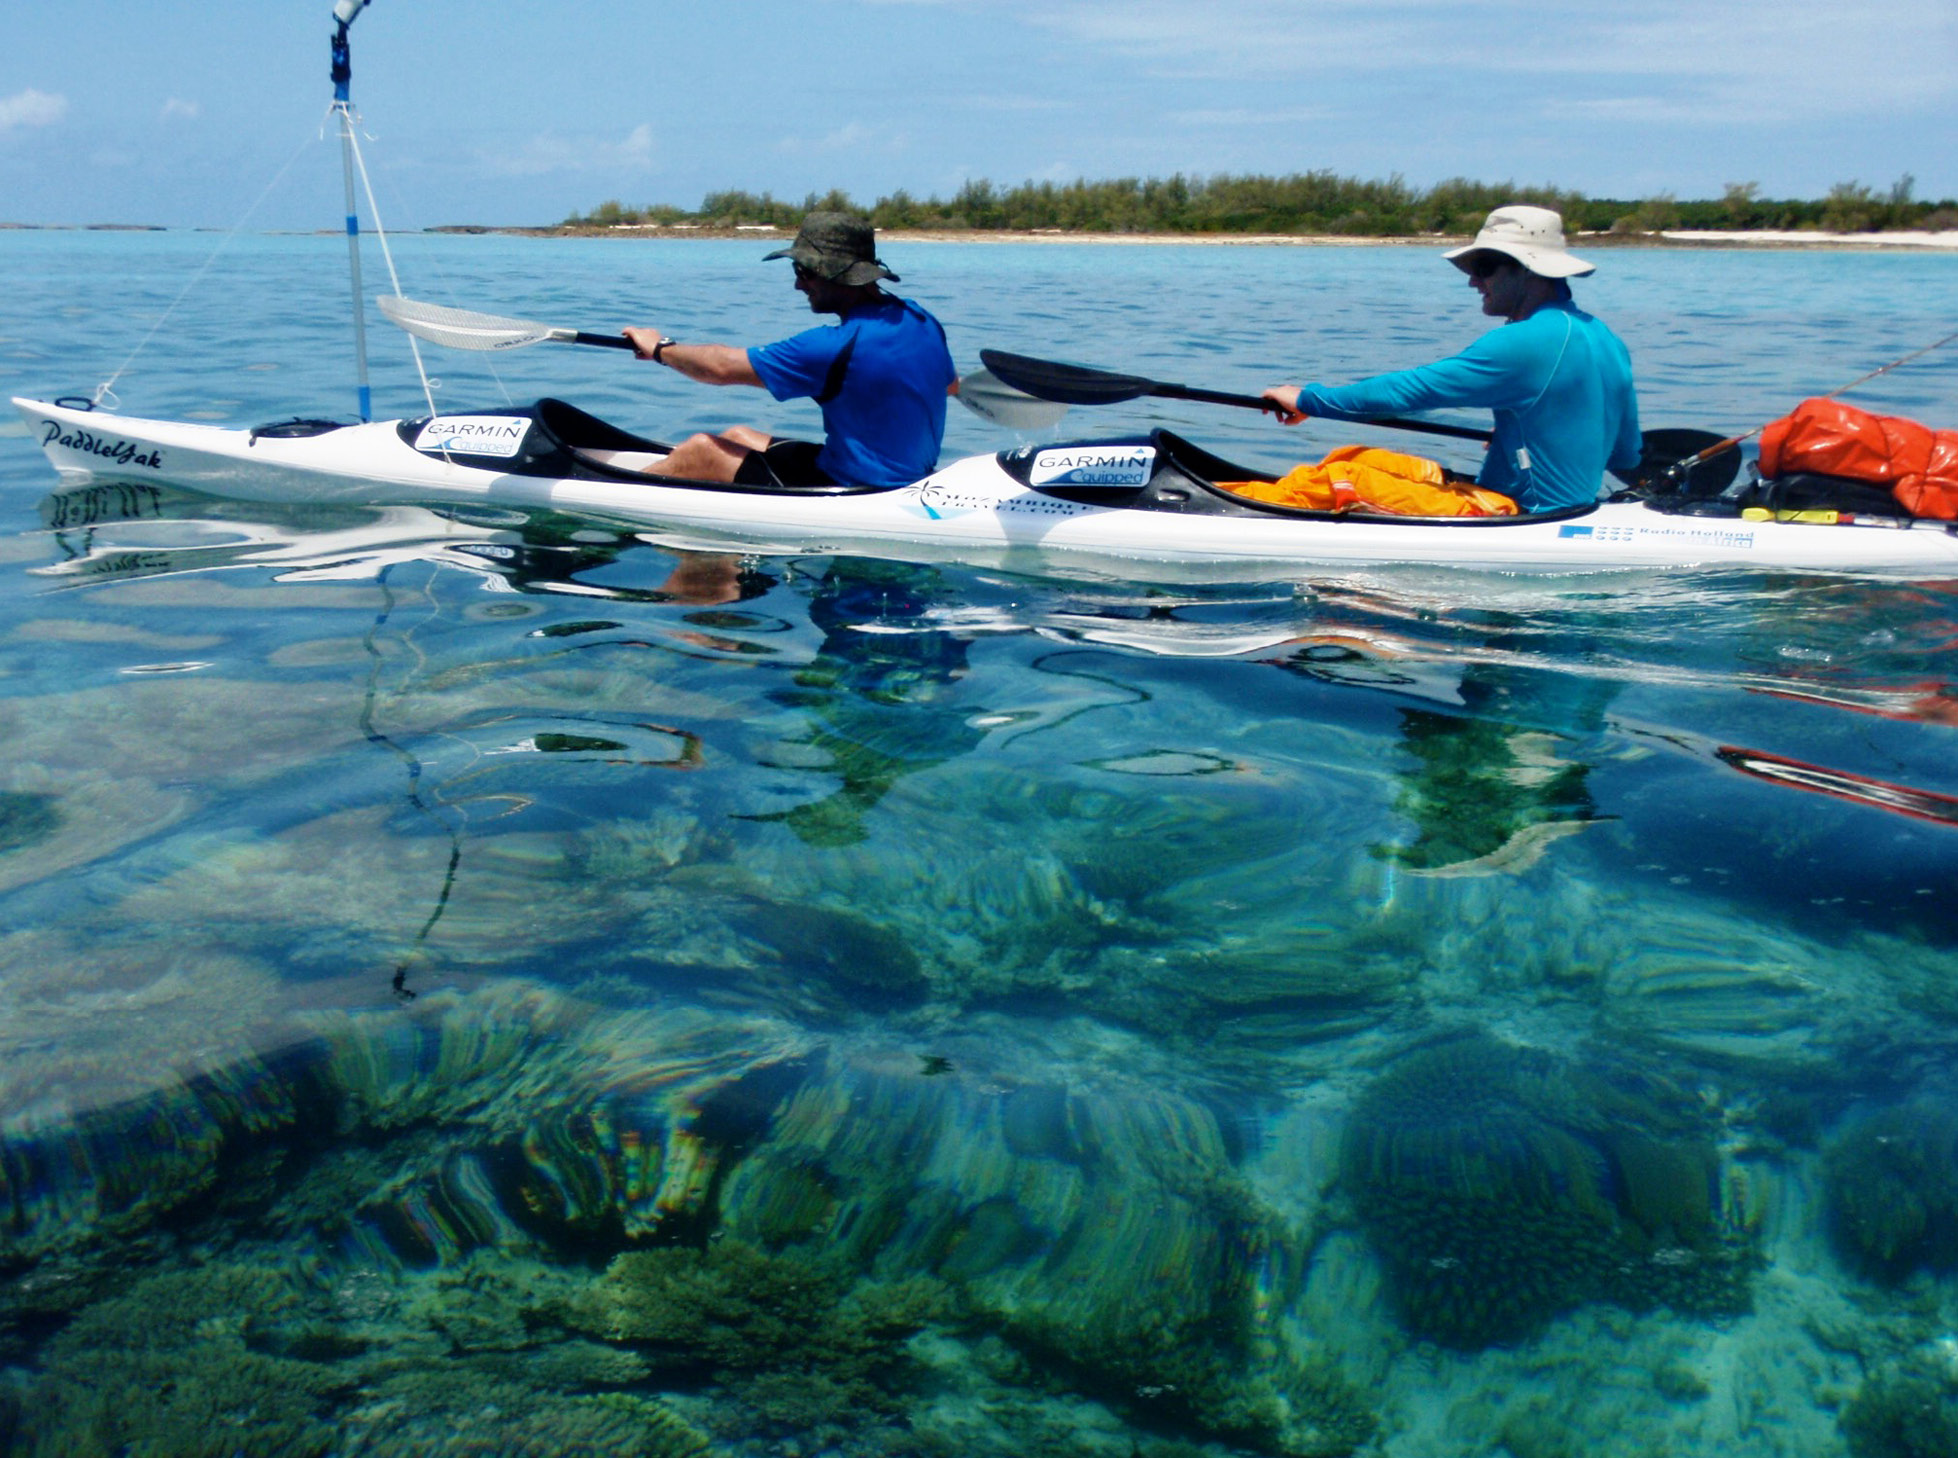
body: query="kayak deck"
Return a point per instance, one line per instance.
(1148, 506)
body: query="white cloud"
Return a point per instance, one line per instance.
(1251, 116)
(176, 106)
(851, 137)
(31, 108)
(1680, 60)
(551, 153)
(1005, 101)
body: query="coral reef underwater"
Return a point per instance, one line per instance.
(509, 1222)
(1908, 1408)
(1892, 1178)
(1503, 1185)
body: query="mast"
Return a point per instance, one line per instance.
(344, 12)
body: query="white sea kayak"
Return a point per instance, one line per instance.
(1142, 508)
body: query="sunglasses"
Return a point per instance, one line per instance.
(1489, 265)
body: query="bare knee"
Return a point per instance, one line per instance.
(705, 457)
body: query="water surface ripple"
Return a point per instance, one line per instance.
(480, 982)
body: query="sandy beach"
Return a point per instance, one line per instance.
(1793, 239)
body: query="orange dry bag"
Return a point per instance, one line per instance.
(1829, 438)
(1366, 478)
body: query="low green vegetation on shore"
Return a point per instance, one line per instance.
(1303, 202)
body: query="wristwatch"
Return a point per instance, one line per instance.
(663, 342)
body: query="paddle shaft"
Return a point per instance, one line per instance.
(1077, 384)
(978, 391)
(1258, 402)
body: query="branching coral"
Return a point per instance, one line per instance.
(790, 1337)
(174, 1367)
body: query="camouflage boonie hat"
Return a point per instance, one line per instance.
(838, 247)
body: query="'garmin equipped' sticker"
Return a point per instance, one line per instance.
(1093, 466)
(474, 435)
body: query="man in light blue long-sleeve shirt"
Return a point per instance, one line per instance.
(1559, 381)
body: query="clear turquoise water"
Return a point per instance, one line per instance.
(462, 988)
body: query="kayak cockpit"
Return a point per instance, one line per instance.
(558, 441)
(1161, 471)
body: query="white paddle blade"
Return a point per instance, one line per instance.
(463, 328)
(986, 395)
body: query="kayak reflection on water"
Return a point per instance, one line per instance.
(1494, 782)
(877, 692)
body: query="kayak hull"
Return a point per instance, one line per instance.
(1140, 506)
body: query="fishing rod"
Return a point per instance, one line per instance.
(344, 14)
(1679, 469)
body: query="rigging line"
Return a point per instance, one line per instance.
(433, 263)
(1679, 470)
(387, 253)
(417, 948)
(1885, 369)
(104, 391)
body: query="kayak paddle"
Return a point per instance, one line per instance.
(1078, 385)
(981, 392)
(986, 395)
(466, 329)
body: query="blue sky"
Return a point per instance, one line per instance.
(516, 111)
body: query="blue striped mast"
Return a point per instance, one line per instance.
(344, 12)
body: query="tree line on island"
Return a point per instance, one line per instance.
(1303, 202)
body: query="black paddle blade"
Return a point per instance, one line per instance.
(1046, 379)
(1665, 449)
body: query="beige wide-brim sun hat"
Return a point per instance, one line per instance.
(1534, 237)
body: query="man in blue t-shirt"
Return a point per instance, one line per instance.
(881, 375)
(1559, 381)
